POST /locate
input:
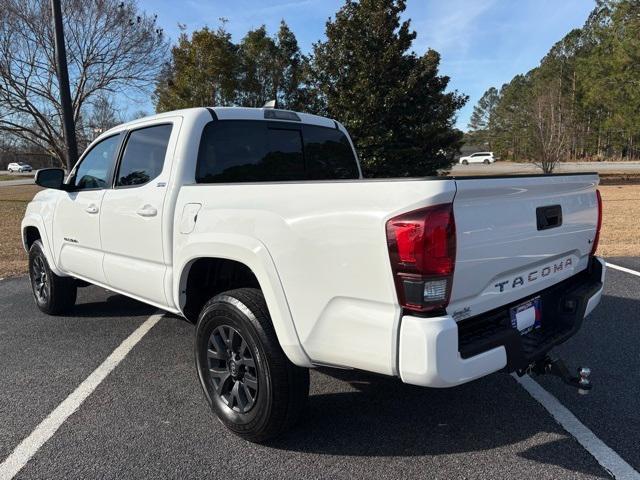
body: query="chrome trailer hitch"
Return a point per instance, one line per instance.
(556, 367)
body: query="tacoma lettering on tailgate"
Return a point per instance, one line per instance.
(533, 275)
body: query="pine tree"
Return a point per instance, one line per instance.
(392, 101)
(202, 72)
(480, 122)
(290, 70)
(208, 69)
(258, 75)
(586, 87)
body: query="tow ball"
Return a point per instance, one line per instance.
(556, 367)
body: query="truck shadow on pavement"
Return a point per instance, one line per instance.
(383, 417)
(114, 305)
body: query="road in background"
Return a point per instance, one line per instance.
(11, 183)
(506, 168)
(22, 178)
(498, 168)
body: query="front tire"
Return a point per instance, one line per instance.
(487, 162)
(250, 384)
(465, 162)
(54, 295)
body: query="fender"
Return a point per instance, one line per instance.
(32, 219)
(254, 255)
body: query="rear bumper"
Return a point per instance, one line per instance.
(438, 352)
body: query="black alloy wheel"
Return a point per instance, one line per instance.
(248, 381)
(54, 295)
(232, 369)
(40, 280)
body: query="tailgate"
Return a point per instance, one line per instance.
(511, 242)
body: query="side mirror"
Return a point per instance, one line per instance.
(50, 178)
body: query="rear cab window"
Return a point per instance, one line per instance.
(328, 154)
(263, 151)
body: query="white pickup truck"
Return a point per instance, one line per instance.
(256, 225)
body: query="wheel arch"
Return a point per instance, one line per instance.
(32, 229)
(29, 235)
(246, 259)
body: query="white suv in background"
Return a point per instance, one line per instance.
(19, 167)
(478, 157)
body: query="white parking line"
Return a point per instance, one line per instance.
(605, 456)
(48, 427)
(623, 269)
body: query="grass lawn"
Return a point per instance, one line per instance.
(13, 202)
(620, 235)
(620, 229)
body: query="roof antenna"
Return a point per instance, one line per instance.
(271, 104)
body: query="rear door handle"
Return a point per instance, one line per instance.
(91, 209)
(147, 211)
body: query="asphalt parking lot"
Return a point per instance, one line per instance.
(148, 418)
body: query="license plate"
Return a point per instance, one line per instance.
(526, 316)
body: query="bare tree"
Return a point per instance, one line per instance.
(8, 142)
(137, 115)
(549, 121)
(112, 49)
(104, 116)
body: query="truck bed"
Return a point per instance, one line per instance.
(327, 242)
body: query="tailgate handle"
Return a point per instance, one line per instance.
(549, 217)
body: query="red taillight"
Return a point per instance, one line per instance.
(422, 248)
(596, 239)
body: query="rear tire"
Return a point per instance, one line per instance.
(250, 384)
(54, 295)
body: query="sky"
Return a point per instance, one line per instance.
(482, 43)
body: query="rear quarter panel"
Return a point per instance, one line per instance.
(327, 243)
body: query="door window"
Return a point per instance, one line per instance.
(93, 171)
(143, 157)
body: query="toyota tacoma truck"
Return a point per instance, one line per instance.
(257, 226)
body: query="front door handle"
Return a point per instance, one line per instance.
(91, 209)
(147, 211)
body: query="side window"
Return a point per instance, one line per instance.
(249, 151)
(143, 156)
(328, 154)
(93, 171)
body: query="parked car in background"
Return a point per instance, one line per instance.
(478, 157)
(19, 167)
